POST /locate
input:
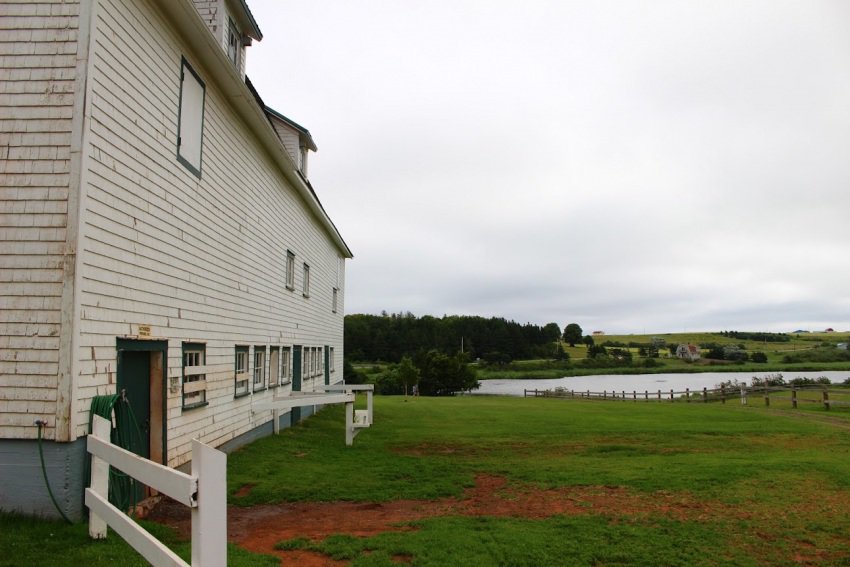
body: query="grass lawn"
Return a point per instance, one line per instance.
(766, 486)
(512, 481)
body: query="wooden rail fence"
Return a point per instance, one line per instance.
(818, 394)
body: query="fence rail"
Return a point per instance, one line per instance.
(204, 491)
(794, 394)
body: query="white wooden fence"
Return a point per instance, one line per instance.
(204, 491)
(354, 420)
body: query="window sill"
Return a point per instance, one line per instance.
(258, 390)
(196, 406)
(241, 395)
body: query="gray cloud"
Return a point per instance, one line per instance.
(652, 166)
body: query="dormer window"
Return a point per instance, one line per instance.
(234, 42)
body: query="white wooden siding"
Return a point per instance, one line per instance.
(290, 138)
(197, 259)
(38, 45)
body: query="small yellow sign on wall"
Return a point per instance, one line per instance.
(144, 330)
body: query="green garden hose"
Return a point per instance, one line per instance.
(41, 424)
(122, 488)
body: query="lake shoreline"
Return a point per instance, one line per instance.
(663, 382)
(552, 373)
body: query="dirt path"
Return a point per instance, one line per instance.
(259, 528)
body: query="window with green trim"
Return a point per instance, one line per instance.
(259, 368)
(190, 118)
(290, 270)
(286, 365)
(241, 371)
(274, 366)
(305, 289)
(194, 376)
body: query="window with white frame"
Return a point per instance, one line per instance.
(241, 371)
(190, 118)
(274, 366)
(331, 359)
(259, 368)
(194, 378)
(285, 365)
(305, 286)
(290, 270)
(234, 42)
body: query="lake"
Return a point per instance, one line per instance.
(642, 382)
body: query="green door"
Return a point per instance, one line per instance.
(140, 411)
(134, 372)
(327, 365)
(296, 381)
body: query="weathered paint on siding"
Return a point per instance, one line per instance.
(198, 260)
(38, 49)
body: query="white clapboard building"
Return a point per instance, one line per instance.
(159, 238)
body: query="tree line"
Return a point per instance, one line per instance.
(390, 337)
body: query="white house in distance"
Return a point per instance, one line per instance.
(688, 352)
(159, 238)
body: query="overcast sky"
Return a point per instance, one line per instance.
(632, 166)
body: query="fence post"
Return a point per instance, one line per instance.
(349, 424)
(687, 395)
(102, 429)
(766, 397)
(826, 399)
(671, 394)
(705, 395)
(646, 395)
(209, 517)
(794, 398)
(634, 395)
(743, 395)
(659, 395)
(722, 394)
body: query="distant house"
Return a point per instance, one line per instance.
(598, 333)
(688, 352)
(163, 247)
(829, 330)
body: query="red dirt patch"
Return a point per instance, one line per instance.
(259, 528)
(244, 490)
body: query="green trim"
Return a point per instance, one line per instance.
(264, 350)
(184, 64)
(192, 346)
(296, 380)
(327, 365)
(305, 281)
(236, 350)
(161, 346)
(290, 262)
(273, 349)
